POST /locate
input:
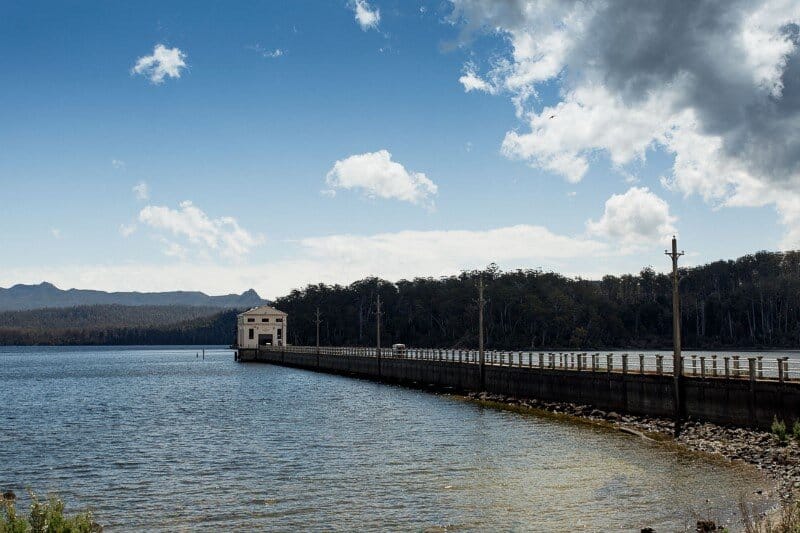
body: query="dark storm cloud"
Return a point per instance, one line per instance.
(637, 48)
(640, 47)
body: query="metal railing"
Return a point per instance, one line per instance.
(716, 366)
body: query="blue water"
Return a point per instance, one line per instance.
(158, 439)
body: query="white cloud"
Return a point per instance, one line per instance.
(164, 62)
(563, 137)
(377, 175)
(221, 235)
(269, 54)
(637, 217)
(472, 82)
(126, 230)
(56, 233)
(118, 164)
(141, 190)
(714, 85)
(366, 16)
(332, 259)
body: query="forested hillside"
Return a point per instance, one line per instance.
(753, 301)
(106, 316)
(118, 325)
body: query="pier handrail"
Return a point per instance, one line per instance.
(701, 365)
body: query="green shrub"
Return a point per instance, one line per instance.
(779, 430)
(796, 429)
(45, 517)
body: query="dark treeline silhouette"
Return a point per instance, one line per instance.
(166, 325)
(105, 316)
(753, 301)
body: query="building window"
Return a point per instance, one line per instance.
(278, 320)
(265, 320)
(251, 319)
(280, 333)
(251, 333)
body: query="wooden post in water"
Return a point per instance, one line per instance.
(677, 362)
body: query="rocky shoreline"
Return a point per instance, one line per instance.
(761, 449)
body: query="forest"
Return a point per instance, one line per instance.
(750, 302)
(118, 325)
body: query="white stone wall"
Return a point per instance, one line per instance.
(262, 321)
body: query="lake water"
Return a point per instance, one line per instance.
(158, 439)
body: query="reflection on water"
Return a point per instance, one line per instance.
(158, 439)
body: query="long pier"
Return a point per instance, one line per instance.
(721, 389)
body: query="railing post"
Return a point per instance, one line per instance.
(760, 366)
(781, 377)
(610, 362)
(530, 359)
(786, 368)
(736, 366)
(727, 367)
(751, 367)
(714, 365)
(694, 365)
(641, 363)
(624, 363)
(659, 364)
(702, 367)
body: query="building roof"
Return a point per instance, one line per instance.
(263, 310)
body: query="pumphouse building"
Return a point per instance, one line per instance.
(261, 326)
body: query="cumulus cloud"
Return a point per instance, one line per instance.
(715, 84)
(164, 62)
(636, 217)
(118, 164)
(141, 190)
(376, 175)
(219, 235)
(366, 16)
(473, 82)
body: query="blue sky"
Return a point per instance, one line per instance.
(270, 95)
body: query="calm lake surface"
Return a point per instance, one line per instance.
(157, 439)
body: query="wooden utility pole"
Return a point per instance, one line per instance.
(481, 304)
(378, 324)
(378, 331)
(318, 321)
(677, 363)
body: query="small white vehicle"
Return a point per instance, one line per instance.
(399, 350)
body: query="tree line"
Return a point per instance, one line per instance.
(750, 302)
(163, 328)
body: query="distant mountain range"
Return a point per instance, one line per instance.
(44, 295)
